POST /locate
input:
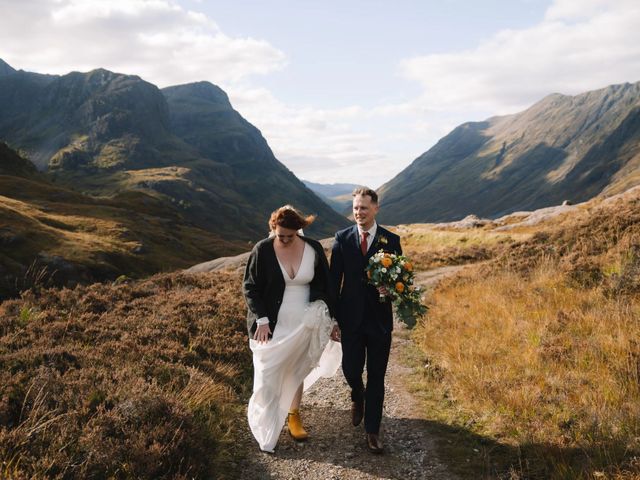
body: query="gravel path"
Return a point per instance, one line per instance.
(337, 450)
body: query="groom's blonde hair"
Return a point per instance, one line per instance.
(366, 191)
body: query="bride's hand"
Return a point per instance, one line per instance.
(262, 333)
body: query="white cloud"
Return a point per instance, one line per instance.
(155, 39)
(317, 144)
(166, 44)
(579, 46)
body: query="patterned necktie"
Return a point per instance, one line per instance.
(363, 244)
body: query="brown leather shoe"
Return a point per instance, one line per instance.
(374, 443)
(357, 412)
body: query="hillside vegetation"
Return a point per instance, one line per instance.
(131, 380)
(54, 236)
(534, 356)
(529, 364)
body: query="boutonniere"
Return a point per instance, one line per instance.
(383, 240)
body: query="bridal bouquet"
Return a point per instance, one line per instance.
(395, 272)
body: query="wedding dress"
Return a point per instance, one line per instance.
(299, 350)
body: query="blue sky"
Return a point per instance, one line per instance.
(344, 52)
(343, 91)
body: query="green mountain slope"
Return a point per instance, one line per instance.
(561, 148)
(50, 235)
(11, 163)
(105, 133)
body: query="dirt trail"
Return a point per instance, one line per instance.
(337, 450)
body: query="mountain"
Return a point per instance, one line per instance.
(105, 134)
(11, 163)
(5, 68)
(331, 190)
(51, 235)
(337, 195)
(561, 148)
(240, 168)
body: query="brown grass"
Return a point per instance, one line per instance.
(535, 357)
(136, 380)
(95, 239)
(430, 247)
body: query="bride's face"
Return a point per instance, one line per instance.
(285, 236)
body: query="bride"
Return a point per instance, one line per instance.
(290, 308)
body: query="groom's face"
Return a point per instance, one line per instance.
(364, 211)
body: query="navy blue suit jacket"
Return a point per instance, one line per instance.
(356, 298)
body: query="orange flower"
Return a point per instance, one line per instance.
(408, 266)
(386, 262)
(399, 287)
(369, 273)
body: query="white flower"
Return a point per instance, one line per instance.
(394, 276)
(384, 270)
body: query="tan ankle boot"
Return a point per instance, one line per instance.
(294, 423)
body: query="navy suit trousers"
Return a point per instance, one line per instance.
(370, 344)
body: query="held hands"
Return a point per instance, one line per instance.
(262, 333)
(335, 333)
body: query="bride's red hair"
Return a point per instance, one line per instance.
(289, 217)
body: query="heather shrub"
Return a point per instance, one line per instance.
(130, 380)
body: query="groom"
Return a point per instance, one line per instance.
(365, 322)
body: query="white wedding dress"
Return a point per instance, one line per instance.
(300, 350)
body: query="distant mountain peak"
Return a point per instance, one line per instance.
(5, 68)
(203, 90)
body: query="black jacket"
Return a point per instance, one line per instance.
(356, 297)
(264, 284)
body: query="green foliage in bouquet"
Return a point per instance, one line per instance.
(395, 273)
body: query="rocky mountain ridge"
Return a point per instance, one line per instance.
(106, 134)
(563, 147)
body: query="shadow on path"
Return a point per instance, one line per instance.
(416, 449)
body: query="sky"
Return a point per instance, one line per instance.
(348, 91)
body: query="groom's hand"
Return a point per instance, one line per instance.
(262, 333)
